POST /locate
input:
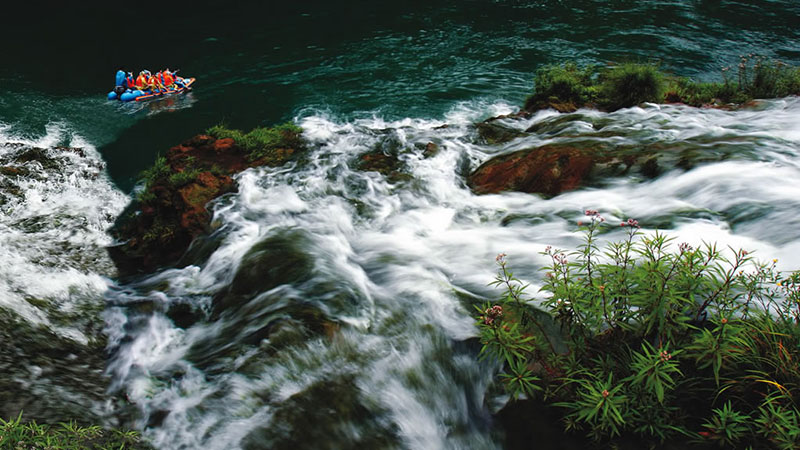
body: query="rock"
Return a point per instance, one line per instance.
(277, 260)
(431, 150)
(388, 165)
(494, 133)
(555, 168)
(158, 228)
(547, 170)
(324, 413)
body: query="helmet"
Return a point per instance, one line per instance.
(147, 72)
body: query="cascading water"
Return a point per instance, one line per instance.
(335, 309)
(55, 206)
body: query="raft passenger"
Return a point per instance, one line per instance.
(119, 86)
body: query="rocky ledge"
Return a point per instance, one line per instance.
(171, 211)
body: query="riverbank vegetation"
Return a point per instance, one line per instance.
(17, 434)
(566, 87)
(648, 342)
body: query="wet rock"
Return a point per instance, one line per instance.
(495, 133)
(277, 260)
(11, 171)
(387, 164)
(547, 170)
(430, 150)
(38, 368)
(555, 168)
(158, 228)
(332, 414)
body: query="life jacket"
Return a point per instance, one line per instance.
(131, 83)
(168, 79)
(141, 81)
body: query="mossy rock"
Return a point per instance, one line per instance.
(278, 259)
(324, 414)
(495, 133)
(387, 164)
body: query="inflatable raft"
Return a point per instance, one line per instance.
(138, 96)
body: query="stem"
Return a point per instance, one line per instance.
(515, 295)
(726, 285)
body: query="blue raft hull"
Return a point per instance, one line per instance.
(139, 95)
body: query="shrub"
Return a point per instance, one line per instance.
(630, 84)
(662, 342)
(562, 84)
(567, 87)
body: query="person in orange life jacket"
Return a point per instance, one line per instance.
(167, 79)
(149, 82)
(179, 82)
(158, 85)
(141, 81)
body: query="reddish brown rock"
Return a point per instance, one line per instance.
(172, 210)
(388, 165)
(547, 170)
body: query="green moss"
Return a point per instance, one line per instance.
(262, 142)
(184, 177)
(159, 231)
(158, 171)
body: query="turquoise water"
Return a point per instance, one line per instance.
(262, 63)
(368, 340)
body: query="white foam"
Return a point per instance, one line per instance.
(53, 231)
(399, 251)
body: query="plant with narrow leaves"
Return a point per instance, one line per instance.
(655, 369)
(628, 312)
(778, 423)
(727, 426)
(717, 347)
(519, 379)
(502, 338)
(599, 403)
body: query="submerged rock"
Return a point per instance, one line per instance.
(387, 164)
(547, 170)
(556, 168)
(159, 226)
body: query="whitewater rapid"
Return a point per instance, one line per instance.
(56, 203)
(369, 339)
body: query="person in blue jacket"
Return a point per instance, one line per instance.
(120, 85)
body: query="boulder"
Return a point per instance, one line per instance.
(547, 170)
(158, 227)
